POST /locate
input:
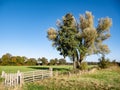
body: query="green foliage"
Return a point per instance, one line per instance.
(62, 61)
(54, 61)
(43, 60)
(84, 66)
(20, 60)
(114, 63)
(103, 63)
(31, 61)
(8, 59)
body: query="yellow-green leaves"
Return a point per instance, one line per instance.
(89, 35)
(104, 49)
(104, 24)
(86, 20)
(52, 33)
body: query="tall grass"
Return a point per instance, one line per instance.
(108, 79)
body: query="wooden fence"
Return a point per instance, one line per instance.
(19, 78)
(32, 76)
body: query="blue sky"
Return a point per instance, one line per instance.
(24, 23)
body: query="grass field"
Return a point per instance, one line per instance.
(106, 79)
(13, 69)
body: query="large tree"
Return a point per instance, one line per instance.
(77, 40)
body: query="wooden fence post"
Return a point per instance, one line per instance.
(51, 72)
(19, 78)
(3, 74)
(22, 79)
(69, 74)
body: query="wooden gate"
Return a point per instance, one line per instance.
(11, 79)
(32, 76)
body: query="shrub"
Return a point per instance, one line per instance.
(62, 61)
(103, 63)
(54, 61)
(84, 66)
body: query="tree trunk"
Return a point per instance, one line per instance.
(81, 58)
(74, 63)
(80, 61)
(78, 64)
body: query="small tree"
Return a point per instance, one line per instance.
(6, 59)
(53, 61)
(84, 66)
(103, 63)
(20, 60)
(43, 60)
(13, 60)
(114, 62)
(62, 61)
(31, 61)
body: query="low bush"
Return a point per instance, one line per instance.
(83, 66)
(103, 62)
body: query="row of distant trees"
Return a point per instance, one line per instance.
(8, 59)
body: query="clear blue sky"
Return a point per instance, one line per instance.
(24, 23)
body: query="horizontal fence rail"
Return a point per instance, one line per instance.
(35, 75)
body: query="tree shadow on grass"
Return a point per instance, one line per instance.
(46, 68)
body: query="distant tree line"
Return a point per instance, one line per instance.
(8, 59)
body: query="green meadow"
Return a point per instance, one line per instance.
(14, 69)
(102, 79)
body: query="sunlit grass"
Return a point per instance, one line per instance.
(108, 79)
(14, 69)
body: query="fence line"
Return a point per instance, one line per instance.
(35, 75)
(19, 78)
